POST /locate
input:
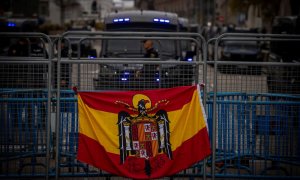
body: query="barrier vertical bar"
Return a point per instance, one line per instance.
(214, 118)
(57, 125)
(49, 95)
(204, 52)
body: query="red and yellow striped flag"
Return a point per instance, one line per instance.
(142, 134)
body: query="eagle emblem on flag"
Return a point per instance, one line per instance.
(144, 134)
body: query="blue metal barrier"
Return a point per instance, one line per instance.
(68, 139)
(23, 134)
(250, 133)
(257, 135)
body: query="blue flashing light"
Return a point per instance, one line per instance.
(120, 20)
(157, 77)
(11, 24)
(125, 76)
(159, 20)
(190, 59)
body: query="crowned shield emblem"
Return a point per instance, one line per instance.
(143, 135)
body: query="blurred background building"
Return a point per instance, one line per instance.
(76, 13)
(245, 13)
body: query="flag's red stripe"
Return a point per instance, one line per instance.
(190, 152)
(105, 101)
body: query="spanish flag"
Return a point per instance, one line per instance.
(142, 134)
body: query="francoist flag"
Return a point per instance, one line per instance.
(142, 134)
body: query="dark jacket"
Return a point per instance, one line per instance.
(151, 53)
(150, 70)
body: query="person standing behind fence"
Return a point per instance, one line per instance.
(28, 74)
(64, 68)
(39, 75)
(21, 48)
(37, 48)
(150, 51)
(19, 75)
(149, 70)
(12, 75)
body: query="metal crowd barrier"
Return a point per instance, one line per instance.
(23, 131)
(90, 74)
(253, 120)
(25, 103)
(257, 135)
(253, 109)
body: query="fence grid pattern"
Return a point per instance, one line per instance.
(252, 107)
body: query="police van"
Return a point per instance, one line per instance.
(143, 21)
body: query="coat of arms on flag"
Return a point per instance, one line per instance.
(142, 134)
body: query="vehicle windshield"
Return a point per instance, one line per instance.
(123, 46)
(134, 47)
(119, 48)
